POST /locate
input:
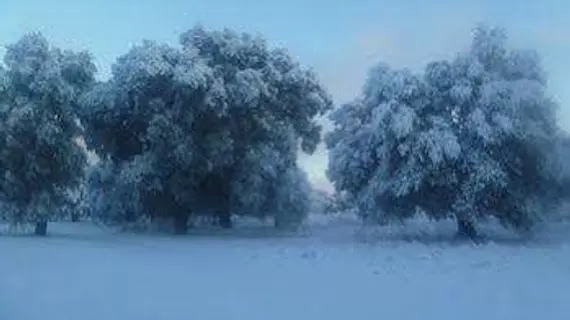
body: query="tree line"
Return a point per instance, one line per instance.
(213, 126)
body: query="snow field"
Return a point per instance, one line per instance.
(82, 272)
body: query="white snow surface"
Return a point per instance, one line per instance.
(83, 272)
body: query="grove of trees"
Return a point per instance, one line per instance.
(213, 126)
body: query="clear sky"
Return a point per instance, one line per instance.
(340, 39)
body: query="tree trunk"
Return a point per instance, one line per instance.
(181, 224)
(223, 208)
(225, 219)
(74, 217)
(41, 228)
(466, 229)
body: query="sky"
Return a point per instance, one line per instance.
(339, 39)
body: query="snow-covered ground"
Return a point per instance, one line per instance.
(83, 272)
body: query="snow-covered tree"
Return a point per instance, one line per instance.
(271, 103)
(40, 159)
(191, 124)
(469, 139)
(141, 124)
(510, 133)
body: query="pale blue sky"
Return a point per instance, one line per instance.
(339, 38)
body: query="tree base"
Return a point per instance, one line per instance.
(466, 230)
(277, 224)
(41, 228)
(225, 221)
(181, 225)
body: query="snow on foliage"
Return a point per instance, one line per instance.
(212, 127)
(40, 159)
(471, 138)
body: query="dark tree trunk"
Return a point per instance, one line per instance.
(74, 217)
(41, 228)
(466, 229)
(277, 223)
(181, 224)
(225, 219)
(223, 208)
